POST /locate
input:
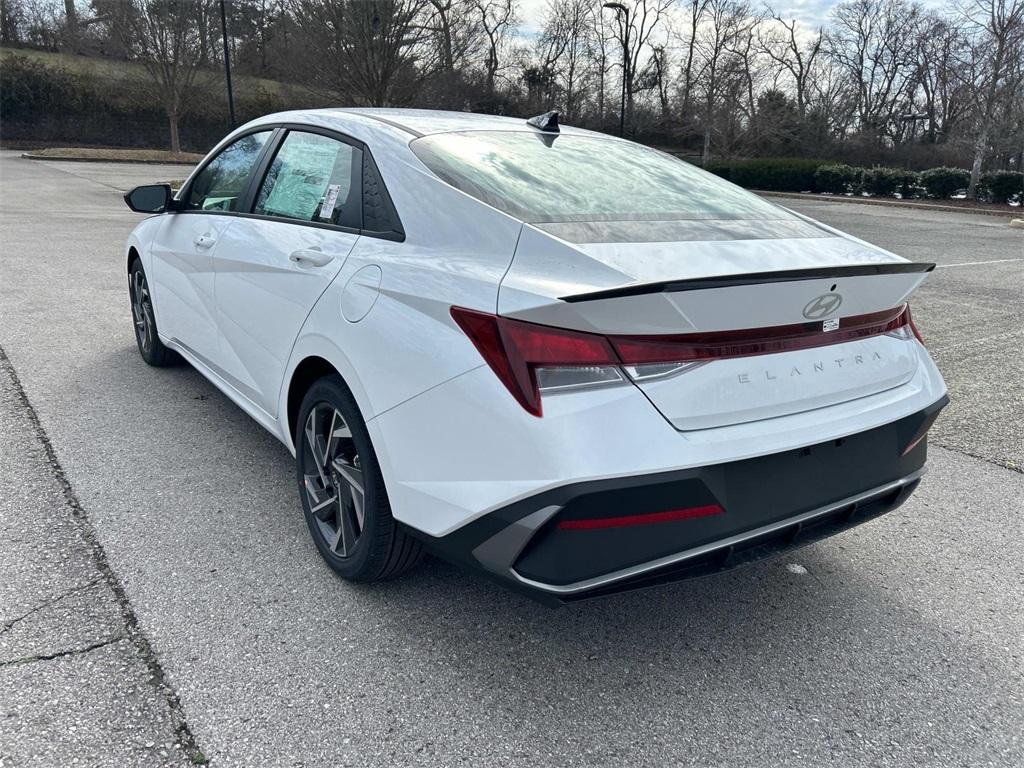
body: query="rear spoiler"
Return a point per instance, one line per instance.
(753, 278)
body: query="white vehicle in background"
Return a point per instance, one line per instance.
(571, 361)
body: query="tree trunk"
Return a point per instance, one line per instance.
(980, 150)
(70, 16)
(705, 157)
(172, 124)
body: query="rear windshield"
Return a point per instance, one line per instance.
(542, 178)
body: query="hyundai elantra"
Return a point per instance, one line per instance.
(571, 361)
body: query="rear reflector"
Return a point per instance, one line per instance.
(594, 523)
(921, 434)
(515, 349)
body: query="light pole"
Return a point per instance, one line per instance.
(622, 14)
(227, 62)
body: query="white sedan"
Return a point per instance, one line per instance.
(566, 359)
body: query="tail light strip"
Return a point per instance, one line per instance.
(514, 349)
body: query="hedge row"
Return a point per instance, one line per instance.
(801, 175)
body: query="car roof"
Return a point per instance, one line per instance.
(426, 121)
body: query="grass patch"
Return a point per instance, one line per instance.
(115, 70)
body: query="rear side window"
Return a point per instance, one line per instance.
(222, 183)
(313, 178)
(570, 178)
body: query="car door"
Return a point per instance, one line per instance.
(183, 278)
(273, 265)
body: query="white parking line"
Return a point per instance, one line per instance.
(976, 263)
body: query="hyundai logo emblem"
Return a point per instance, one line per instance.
(823, 305)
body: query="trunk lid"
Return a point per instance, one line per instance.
(734, 281)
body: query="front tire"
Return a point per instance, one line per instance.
(151, 348)
(342, 489)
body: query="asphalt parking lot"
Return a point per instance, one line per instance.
(161, 601)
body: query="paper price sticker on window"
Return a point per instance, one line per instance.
(330, 199)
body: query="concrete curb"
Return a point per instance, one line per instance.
(30, 156)
(891, 203)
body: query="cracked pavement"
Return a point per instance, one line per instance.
(152, 545)
(72, 682)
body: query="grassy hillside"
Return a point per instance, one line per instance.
(49, 99)
(115, 71)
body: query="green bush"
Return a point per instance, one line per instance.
(1002, 186)
(908, 183)
(838, 179)
(776, 174)
(28, 88)
(720, 168)
(942, 182)
(884, 182)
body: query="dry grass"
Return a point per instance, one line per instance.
(124, 71)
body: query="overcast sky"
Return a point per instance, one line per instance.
(812, 13)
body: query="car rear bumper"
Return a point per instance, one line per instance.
(584, 539)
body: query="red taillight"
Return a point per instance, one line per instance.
(913, 325)
(718, 345)
(515, 349)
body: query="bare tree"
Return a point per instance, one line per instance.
(454, 32)
(12, 17)
(875, 42)
(163, 35)
(727, 21)
(794, 52)
(635, 28)
(565, 43)
(694, 17)
(995, 29)
(941, 47)
(361, 50)
(498, 18)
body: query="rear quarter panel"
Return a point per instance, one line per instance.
(455, 252)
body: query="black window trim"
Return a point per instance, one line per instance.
(248, 199)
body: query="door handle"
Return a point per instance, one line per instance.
(204, 241)
(313, 256)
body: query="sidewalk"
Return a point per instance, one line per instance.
(75, 684)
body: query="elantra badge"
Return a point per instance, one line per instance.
(823, 305)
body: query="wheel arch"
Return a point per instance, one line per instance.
(309, 370)
(312, 366)
(133, 256)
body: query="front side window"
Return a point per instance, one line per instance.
(221, 184)
(571, 178)
(313, 178)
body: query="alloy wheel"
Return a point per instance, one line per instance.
(142, 311)
(335, 488)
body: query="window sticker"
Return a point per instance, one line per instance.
(294, 195)
(301, 180)
(330, 200)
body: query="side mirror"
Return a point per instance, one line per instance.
(151, 198)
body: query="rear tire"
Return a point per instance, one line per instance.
(151, 348)
(342, 489)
